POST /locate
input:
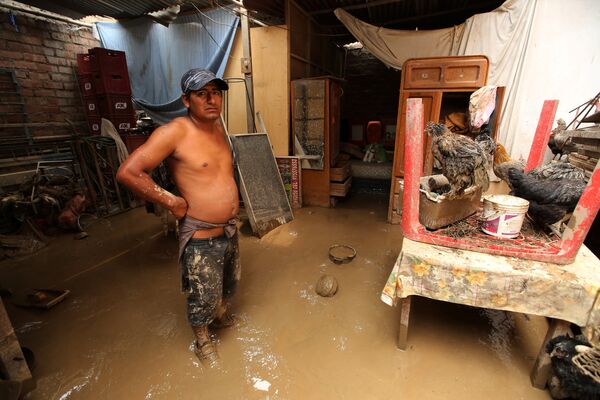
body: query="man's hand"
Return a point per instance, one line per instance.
(180, 207)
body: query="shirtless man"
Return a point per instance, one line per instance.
(201, 163)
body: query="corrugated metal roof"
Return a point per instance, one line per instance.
(118, 9)
(394, 14)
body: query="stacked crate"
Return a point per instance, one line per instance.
(104, 84)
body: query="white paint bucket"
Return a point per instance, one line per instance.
(503, 215)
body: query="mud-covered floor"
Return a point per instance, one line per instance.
(122, 332)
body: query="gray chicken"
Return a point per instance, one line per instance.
(554, 170)
(488, 145)
(459, 158)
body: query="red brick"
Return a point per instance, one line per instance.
(38, 49)
(54, 44)
(34, 57)
(63, 37)
(26, 92)
(70, 109)
(66, 70)
(65, 93)
(69, 86)
(32, 40)
(45, 92)
(9, 34)
(14, 55)
(16, 46)
(6, 63)
(50, 109)
(21, 73)
(48, 52)
(52, 85)
(39, 76)
(60, 53)
(65, 101)
(45, 68)
(57, 61)
(61, 77)
(25, 65)
(52, 101)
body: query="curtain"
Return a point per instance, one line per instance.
(157, 56)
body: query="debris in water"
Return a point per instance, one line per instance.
(261, 384)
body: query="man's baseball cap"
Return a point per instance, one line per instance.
(197, 78)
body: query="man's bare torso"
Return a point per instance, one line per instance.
(202, 168)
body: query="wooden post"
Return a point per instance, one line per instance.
(247, 69)
(403, 329)
(541, 368)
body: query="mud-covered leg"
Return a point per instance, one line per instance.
(403, 330)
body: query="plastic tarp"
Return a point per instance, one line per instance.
(157, 56)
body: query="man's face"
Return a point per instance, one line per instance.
(205, 103)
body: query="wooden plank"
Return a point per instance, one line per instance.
(404, 318)
(541, 368)
(12, 361)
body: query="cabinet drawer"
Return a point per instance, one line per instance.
(340, 189)
(340, 172)
(445, 72)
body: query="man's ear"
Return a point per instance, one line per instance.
(186, 100)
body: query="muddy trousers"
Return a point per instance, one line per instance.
(210, 271)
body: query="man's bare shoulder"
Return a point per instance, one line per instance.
(174, 129)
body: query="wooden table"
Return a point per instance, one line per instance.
(564, 293)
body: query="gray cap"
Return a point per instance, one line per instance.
(197, 78)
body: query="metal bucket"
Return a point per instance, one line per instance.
(503, 215)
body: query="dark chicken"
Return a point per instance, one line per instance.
(549, 199)
(567, 379)
(459, 158)
(554, 170)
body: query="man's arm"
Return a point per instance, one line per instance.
(135, 170)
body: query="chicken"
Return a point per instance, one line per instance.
(459, 158)
(560, 140)
(500, 155)
(558, 170)
(549, 199)
(488, 146)
(554, 170)
(567, 379)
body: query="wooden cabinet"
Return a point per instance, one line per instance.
(316, 131)
(445, 85)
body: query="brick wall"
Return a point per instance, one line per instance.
(43, 56)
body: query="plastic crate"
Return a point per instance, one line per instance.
(111, 83)
(115, 104)
(95, 124)
(92, 106)
(132, 142)
(84, 64)
(122, 123)
(86, 85)
(107, 61)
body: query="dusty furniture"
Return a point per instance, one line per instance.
(559, 279)
(316, 130)
(561, 292)
(444, 85)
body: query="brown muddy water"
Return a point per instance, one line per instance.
(122, 332)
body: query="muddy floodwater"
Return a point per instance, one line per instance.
(122, 332)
